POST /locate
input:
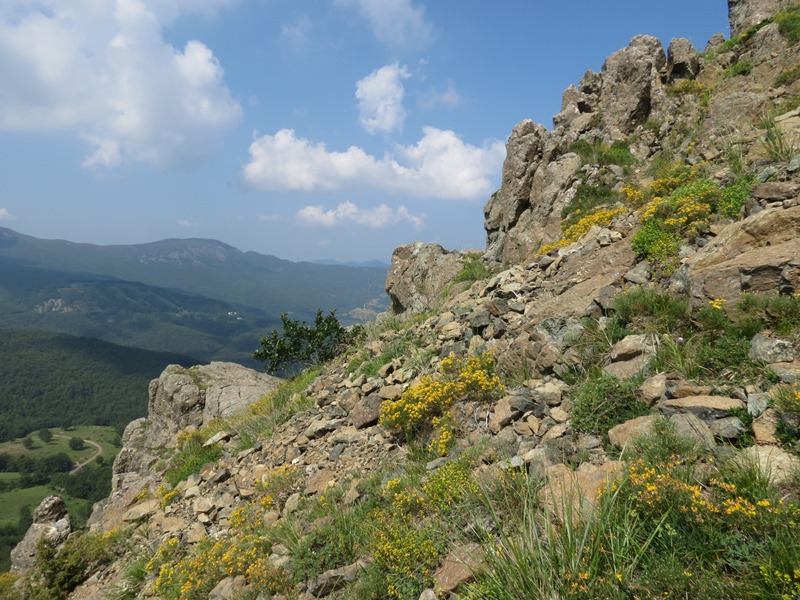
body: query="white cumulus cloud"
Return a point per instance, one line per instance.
(5, 215)
(347, 212)
(380, 99)
(439, 165)
(395, 23)
(186, 223)
(104, 71)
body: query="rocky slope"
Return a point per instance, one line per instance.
(560, 265)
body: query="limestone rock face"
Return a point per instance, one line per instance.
(50, 522)
(743, 14)
(683, 60)
(631, 84)
(758, 254)
(187, 398)
(418, 276)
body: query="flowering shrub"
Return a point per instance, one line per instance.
(278, 484)
(459, 379)
(243, 551)
(572, 233)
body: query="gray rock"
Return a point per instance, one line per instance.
(683, 60)
(51, 522)
(757, 403)
(743, 14)
(771, 350)
(631, 83)
(418, 275)
(367, 411)
(640, 274)
(707, 408)
(729, 428)
(689, 426)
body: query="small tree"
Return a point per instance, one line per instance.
(45, 435)
(304, 345)
(28, 443)
(76, 443)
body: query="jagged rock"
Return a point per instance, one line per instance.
(143, 510)
(228, 589)
(757, 403)
(572, 494)
(183, 399)
(320, 481)
(631, 83)
(51, 522)
(758, 254)
(788, 372)
(625, 369)
(743, 14)
(729, 428)
(640, 274)
(418, 275)
(764, 427)
(690, 426)
(621, 434)
(334, 579)
(775, 191)
(683, 60)
(653, 388)
(682, 388)
(458, 567)
(771, 350)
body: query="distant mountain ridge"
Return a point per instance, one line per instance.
(193, 296)
(212, 269)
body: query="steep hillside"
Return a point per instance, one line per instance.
(605, 404)
(50, 380)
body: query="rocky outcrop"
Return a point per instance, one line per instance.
(759, 254)
(51, 523)
(182, 399)
(743, 14)
(418, 276)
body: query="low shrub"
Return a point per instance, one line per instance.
(788, 21)
(458, 379)
(740, 67)
(603, 401)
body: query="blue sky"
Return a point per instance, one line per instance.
(306, 129)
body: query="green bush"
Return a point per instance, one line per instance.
(303, 344)
(734, 197)
(653, 242)
(603, 401)
(65, 569)
(741, 67)
(788, 21)
(597, 153)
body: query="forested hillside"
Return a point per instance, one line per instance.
(51, 379)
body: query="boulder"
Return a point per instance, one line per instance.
(50, 522)
(683, 60)
(418, 276)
